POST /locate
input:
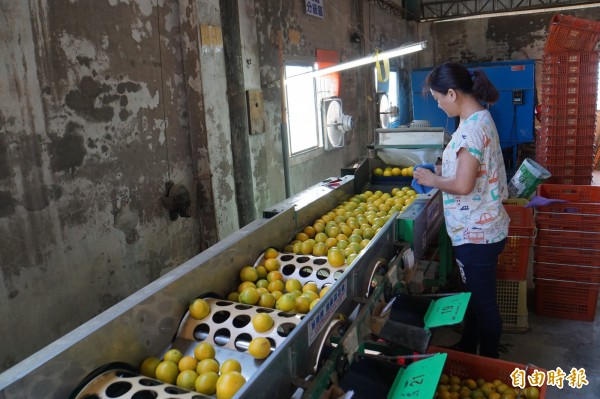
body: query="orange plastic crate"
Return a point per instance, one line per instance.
(557, 140)
(570, 180)
(571, 33)
(514, 258)
(565, 299)
(568, 221)
(573, 256)
(567, 272)
(562, 151)
(570, 79)
(570, 239)
(572, 193)
(586, 160)
(465, 365)
(570, 57)
(569, 110)
(553, 89)
(583, 68)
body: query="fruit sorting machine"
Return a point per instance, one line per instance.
(311, 353)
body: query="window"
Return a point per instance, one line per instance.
(302, 115)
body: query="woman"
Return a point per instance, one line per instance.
(473, 184)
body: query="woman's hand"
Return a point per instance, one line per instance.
(425, 177)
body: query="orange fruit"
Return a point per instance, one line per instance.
(309, 231)
(233, 296)
(231, 365)
(187, 363)
(320, 249)
(249, 296)
(167, 371)
(324, 291)
(267, 300)
(293, 284)
(173, 355)
(228, 384)
(262, 283)
(313, 304)
(274, 275)
(262, 272)
(302, 236)
(206, 365)
(336, 257)
(199, 309)
(302, 304)
(262, 322)
(271, 253)
(246, 284)
(248, 273)
(286, 303)
(259, 348)
(272, 264)
(276, 285)
(148, 366)
(310, 286)
(206, 383)
(310, 295)
(187, 379)
(277, 293)
(204, 350)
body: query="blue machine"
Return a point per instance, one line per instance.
(513, 113)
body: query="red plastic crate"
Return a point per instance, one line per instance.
(556, 140)
(566, 238)
(581, 257)
(514, 258)
(568, 99)
(566, 131)
(570, 171)
(570, 180)
(573, 193)
(565, 299)
(568, 221)
(549, 121)
(545, 150)
(571, 33)
(572, 57)
(565, 161)
(567, 272)
(465, 365)
(554, 89)
(568, 110)
(570, 79)
(583, 68)
(521, 221)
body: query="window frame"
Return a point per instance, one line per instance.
(301, 155)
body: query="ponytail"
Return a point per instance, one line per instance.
(451, 75)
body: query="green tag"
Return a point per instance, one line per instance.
(420, 379)
(447, 311)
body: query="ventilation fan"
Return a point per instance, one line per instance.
(386, 113)
(335, 123)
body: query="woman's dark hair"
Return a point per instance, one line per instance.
(451, 75)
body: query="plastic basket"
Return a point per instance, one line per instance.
(521, 220)
(570, 180)
(514, 258)
(554, 89)
(572, 193)
(570, 171)
(570, 239)
(585, 68)
(566, 131)
(570, 57)
(565, 299)
(571, 33)
(585, 160)
(512, 302)
(570, 79)
(568, 221)
(562, 151)
(569, 120)
(559, 140)
(571, 256)
(465, 365)
(569, 110)
(567, 272)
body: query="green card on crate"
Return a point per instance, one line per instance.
(420, 379)
(447, 311)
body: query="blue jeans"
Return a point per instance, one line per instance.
(482, 324)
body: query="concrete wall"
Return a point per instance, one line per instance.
(102, 102)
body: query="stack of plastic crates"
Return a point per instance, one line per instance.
(566, 260)
(512, 267)
(565, 141)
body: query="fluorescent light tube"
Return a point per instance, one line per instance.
(370, 59)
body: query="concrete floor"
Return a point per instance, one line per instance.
(550, 343)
